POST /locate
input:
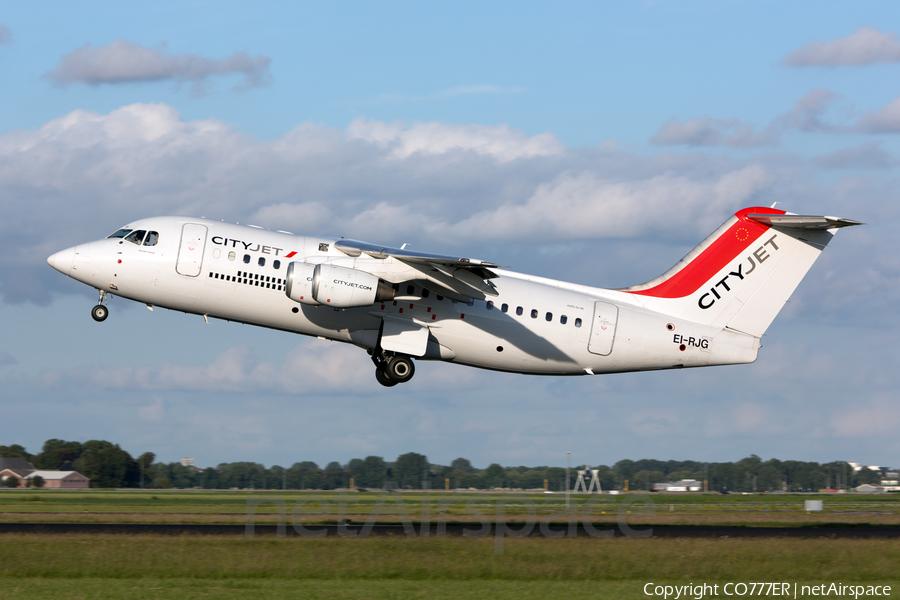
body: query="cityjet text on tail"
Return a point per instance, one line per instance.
(711, 308)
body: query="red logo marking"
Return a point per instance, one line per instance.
(290, 254)
(719, 253)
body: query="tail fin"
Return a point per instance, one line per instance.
(741, 275)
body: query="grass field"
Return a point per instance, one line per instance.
(146, 566)
(191, 566)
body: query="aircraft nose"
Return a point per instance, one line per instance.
(62, 260)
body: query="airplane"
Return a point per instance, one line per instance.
(711, 308)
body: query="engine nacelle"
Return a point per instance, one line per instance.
(335, 286)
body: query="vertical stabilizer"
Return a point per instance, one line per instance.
(741, 275)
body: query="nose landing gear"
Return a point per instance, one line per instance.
(100, 312)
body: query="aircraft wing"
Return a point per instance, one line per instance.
(456, 277)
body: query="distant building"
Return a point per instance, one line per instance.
(859, 467)
(18, 467)
(891, 481)
(52, 479)
(685, 485)
(62, 479)
(187, 462)
(869, 488)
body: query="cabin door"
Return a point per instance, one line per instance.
(190, 252)
(603, 328)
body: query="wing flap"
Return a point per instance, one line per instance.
(404, 336)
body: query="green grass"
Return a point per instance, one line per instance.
(234, 502)
(206, 589)
(455, 558)
(152, 566)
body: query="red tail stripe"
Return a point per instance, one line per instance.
(714, 258)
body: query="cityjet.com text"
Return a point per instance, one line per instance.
(790, 590)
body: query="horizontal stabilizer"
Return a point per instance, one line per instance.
(802, 221)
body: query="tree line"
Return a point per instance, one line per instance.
(107, 465)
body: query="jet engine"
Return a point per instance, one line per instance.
(335, 286)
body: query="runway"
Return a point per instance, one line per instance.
(468, 530)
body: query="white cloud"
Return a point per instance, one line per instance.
(711, 132)
(6, 358)
(584, 205)
(498, 141)
(869, 155)
(865, 46)
(807, 115)
(124, 61)
(153, 412)
(883, 120)
(879, 415)
(237, 370)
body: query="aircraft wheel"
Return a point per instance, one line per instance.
(99, 313)
(401, 369)
(383, 379)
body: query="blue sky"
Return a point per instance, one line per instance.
(638, 128)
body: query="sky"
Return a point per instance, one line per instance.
(594, 142)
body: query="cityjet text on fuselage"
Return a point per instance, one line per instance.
(249, 246)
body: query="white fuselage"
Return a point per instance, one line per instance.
(237, 273)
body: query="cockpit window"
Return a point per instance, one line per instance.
(136, 237)
(152, 239)
(119, 234)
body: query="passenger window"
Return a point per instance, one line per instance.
(440, 298)
(534, 313)
(505, 307)
(577, 322)
(410, 290)
(231, 255)
(549, 316)
(424, 293)
(119, 234)
(152, 238)
(490, 305)
(471, 302)
(519, 310)
(247, 259)
(276, 264)
(262, 261)
(563, 319)
(136, 237)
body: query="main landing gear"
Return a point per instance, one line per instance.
(393, 369)
(100, 312)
